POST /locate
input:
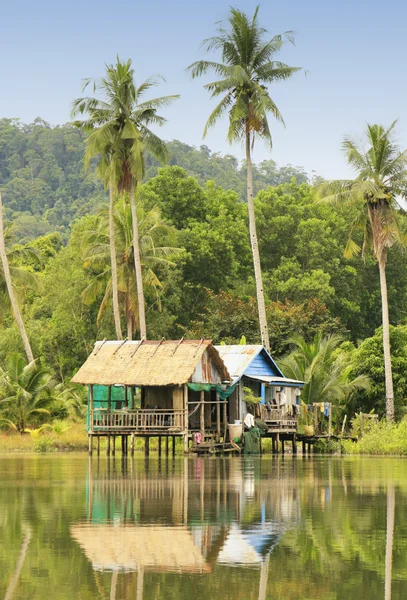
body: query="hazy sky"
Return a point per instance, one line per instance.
(354, 51)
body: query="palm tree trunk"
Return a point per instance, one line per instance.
(391, 506)
(129, 327)
(14, 304)
(20, 563)
(137, 266)
(255, 249)
(386, 342)
(116, 311)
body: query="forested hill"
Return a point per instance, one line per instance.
(45, 187)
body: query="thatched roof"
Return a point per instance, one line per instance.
(148, 363)
(131, 547)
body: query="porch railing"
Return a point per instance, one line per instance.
(140, 420)
(278, 415)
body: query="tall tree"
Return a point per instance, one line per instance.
(248, 66)
(120, 132)
(10, 289)
(381, 179)
(154, 238)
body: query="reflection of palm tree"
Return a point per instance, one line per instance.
(20, 562)
(391, 507)
(264, 572)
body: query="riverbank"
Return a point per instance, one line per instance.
(383, 438)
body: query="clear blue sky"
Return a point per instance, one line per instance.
(354, 51)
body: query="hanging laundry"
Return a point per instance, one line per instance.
(249, 421)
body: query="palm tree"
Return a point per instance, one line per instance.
(26, 392)
(248, 66)
(154, 237)
(381, 178)
(327, 376)
(10, 289)
(120, 133)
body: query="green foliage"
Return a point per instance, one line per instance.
(249, 396)
(368, 358)
(327, 374)
(248, 66)
(26, 393)
(382, 438)
(324, 446)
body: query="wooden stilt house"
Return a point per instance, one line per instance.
(255, 373)
(154, 389)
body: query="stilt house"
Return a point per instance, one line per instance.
(254, 372)
(155, 389)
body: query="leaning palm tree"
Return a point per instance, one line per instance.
(327, 377)
(119, 128)
(155, 237)
(10, 290)
(381, 179)
(248, 66)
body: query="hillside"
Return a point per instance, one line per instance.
(45, 187)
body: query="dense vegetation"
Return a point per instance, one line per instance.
(208, 288)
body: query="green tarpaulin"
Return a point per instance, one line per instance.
(207, 387)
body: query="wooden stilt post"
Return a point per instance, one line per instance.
(123, 446)
(277, 443)
(316, 428)
(282, 446)
(98, 445)
(90, 440)
(167, 441)
(108, 445)
(132, 444)
(113, 445)
(147, 446)
(202, 415)
(217, 417)
(159, 445)
(304, 447)
(330, 421)
(294, 442)
(225, 422)
(173, 445)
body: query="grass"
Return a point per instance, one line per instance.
(68, 436)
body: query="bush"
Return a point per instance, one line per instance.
(382, 438)
(323, 446)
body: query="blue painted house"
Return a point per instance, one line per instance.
(252, 367)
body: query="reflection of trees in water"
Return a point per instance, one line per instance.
(317, 527)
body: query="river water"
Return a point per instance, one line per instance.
(280, 528)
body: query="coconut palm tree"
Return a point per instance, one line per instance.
(26, 392)
(119, 132)
(10, 290)
(381, 178)
(154, 237)
(248, 66)
(327, 376)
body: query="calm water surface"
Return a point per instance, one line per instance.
(202, 529)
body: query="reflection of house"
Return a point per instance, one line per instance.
(134, 548)
(175, 378)
(250, 546)
(253, 368)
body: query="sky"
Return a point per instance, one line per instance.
(353, 52)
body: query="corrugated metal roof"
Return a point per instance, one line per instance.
(278, 380)
(147, 363)
(237, 357)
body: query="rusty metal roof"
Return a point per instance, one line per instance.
(237, 357)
